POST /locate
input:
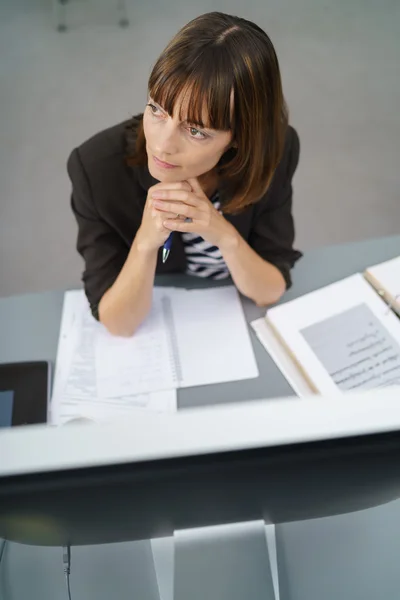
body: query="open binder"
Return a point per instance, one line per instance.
(343, 337)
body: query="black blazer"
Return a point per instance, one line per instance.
(108, 198)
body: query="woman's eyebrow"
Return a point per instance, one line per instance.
(197, 124)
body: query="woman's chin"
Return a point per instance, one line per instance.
(164, 175)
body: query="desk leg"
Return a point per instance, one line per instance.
(163, 556)
(233, 562)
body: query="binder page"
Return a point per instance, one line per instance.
(343, 336)
(75, 391)
(212, 337)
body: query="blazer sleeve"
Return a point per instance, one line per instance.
(100, 247)
(272, 233)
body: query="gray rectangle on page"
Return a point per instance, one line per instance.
(356, 349)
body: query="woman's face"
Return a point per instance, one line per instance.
(178, 150)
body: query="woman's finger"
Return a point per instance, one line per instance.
(177, 208)
(177, 195)
(173, 185)
(179, 225)
(195, 185)
(167, 215)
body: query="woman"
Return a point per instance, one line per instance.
(211, 159)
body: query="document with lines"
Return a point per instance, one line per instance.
(191, 338)
(75, 389)
(343, 337)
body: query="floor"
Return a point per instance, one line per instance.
(339, 61)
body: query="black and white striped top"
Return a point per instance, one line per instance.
(203, 259)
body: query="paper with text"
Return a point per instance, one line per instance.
(356, 349)
(75, 392)
(329, 335)
(191, 338)
(140, 364)
(108, 413)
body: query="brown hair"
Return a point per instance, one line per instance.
(211, 57)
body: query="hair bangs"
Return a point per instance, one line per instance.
(204, 96)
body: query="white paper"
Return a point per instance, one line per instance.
(75, 392)
(293, 319)
(191, 338)
(141, 363)
(212, 337)
(106, 413)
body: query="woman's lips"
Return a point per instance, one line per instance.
(162, 164)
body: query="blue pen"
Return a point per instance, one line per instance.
(167, 247)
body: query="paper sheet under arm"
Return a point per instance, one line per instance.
(191, 338)
(75, 391)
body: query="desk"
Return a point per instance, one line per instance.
(29, 324)
(349, 556)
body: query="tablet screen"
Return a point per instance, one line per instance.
(6, 408)
(24, 392)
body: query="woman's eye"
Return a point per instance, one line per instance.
(154, 109)
(194, 131)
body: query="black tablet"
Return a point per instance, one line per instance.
(24, 393)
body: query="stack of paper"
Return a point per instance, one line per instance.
(75, 389)
(190, 338)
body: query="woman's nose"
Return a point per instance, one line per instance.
(166, 141)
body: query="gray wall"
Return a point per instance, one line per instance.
(339, 61)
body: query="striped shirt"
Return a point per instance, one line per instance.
(204, 259)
